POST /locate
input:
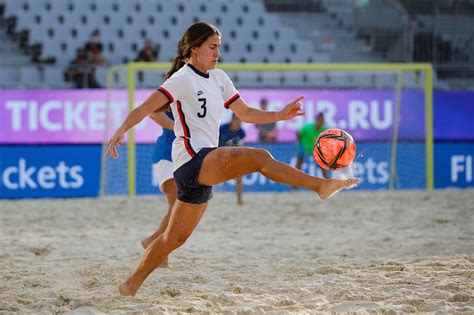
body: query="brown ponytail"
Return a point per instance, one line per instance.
(178, 62)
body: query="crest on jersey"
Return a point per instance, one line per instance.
(200, 92)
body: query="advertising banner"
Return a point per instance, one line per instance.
(80, 116)
(49, 171)
(453, 115)
(454, 165)
(66, 116)
(74, 171)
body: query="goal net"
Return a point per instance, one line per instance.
(387, 108)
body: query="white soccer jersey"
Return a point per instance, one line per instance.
(197, 101)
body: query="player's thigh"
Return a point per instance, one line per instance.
(226, 163)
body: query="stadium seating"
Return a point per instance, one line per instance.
(250, 34)
(64, 24)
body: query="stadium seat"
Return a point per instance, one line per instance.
(83, 6)
(39, 34)
(101, 76)
(62, 6)
(30, 77)
(246, 79)
(9, 77)
(54, 75)
(12, 7)
(364, 79)
(294, 79)
(340, 79)
(151, 79)
(316, 79)
(272, 79)
(58, 49)
(385, 80)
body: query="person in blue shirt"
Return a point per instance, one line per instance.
(162, 172)
(232, 135)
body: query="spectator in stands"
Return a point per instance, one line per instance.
(81, 71)
(232, 135)
(307, 136)
(267, 132)
(94, 47)
(149, 53)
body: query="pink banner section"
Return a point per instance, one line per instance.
(81, 116)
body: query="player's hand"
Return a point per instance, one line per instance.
(116, 140)
(292, 109)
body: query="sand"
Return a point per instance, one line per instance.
(377, 252)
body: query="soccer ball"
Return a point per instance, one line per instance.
(334, 149)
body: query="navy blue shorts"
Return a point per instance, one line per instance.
(186, 177)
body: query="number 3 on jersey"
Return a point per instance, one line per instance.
(203, 106)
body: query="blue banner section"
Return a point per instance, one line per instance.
(454, 164)
(49, 171)
(453, 112)
(74, 171)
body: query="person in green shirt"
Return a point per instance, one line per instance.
(307, 136)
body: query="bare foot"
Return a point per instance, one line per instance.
(125, 290)
(332, 186)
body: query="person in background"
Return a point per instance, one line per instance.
(307, 136)
(232, 135)
(266, 132)
(81, 71)
(148, 53)
(94, 48)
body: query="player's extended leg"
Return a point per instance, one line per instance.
(184, 219)
(226, 163)
(171, 192)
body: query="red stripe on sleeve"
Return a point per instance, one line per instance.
(231, 100)
(168, 94)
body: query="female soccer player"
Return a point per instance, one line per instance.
(198, 93)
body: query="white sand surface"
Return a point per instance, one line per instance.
(379, 251)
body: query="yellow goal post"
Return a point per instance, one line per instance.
(131, 69)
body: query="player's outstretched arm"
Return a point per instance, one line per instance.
(155, 101)
(258, 116)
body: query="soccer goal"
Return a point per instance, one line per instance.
(387, 108)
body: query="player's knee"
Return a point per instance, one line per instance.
(262, 156)
(174, 241)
